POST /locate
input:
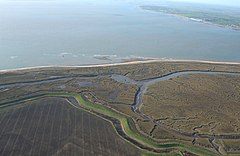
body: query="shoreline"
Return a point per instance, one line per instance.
(199, 20)
(122, 63)
(202, 21)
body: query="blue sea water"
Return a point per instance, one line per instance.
(61, 32)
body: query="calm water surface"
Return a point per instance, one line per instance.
(77, 32)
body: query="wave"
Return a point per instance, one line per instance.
(13, 57)
(99, 55)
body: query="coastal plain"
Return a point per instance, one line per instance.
(131, 108)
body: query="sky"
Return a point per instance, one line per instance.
(219, 2)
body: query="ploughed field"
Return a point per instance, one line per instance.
(51, 126)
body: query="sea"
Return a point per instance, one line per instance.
(82, 32)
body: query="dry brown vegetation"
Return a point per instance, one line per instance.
(196, 103)
(207, 104)
(231, 146)
(187, 104)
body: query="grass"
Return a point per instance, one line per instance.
(124, 120)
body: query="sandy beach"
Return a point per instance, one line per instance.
(122, 63)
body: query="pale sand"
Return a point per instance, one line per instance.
(123, 63)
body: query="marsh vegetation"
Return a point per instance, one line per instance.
(192, 113)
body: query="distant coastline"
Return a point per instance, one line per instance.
(199, 20)
(198, 16)
(233, 27)
(237, 28)
(123, 63)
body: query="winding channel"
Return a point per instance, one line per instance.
(142, 88)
